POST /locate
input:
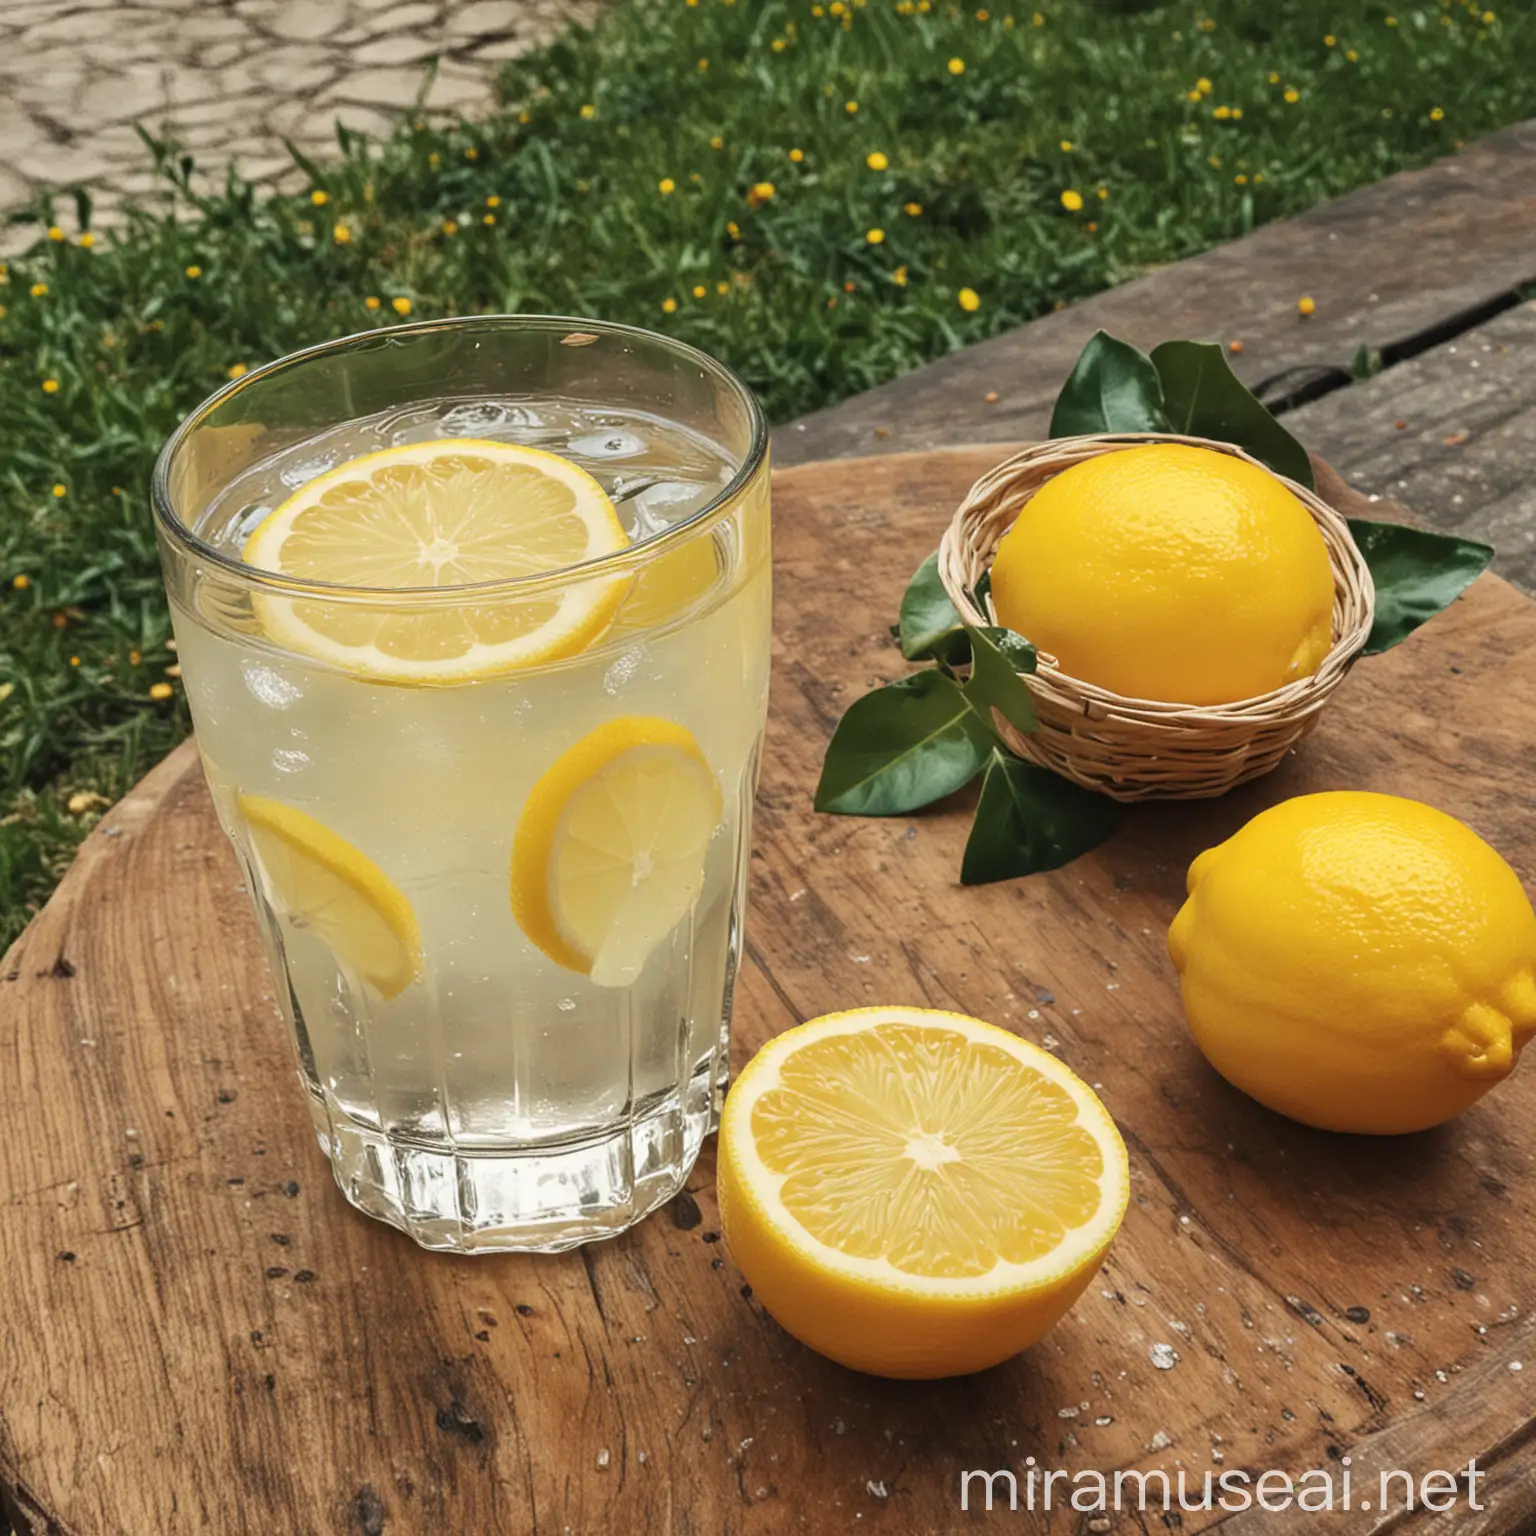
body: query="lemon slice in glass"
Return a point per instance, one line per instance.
(609, 851)
(916, 1193)
(319, 881)
(432, 515)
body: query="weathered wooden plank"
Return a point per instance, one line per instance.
(1386, 263)
(199, 1335)
(1450, 433)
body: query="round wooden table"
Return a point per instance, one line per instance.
(199, 1335)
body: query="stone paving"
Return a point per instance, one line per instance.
(232, 79)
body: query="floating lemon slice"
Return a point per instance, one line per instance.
(320, 882)
(916, 1193)
(433, 515)
(609, 852)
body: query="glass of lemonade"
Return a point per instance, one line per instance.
(473, 619)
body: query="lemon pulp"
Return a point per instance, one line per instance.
(915, 1192)
(424, 516)
(610, 848)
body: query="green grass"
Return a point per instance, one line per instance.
(1070, 152)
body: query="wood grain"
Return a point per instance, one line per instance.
(1450, 434)
(1388, 264)
(199, 1335)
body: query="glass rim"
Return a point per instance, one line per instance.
(641, 552)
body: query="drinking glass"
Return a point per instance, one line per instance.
(483, 1093)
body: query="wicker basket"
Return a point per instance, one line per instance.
(1138, 749)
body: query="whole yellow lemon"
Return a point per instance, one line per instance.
(1169, 572)
(1359, 962)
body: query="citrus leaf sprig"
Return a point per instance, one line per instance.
(925, 736)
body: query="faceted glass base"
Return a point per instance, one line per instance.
(529, 1199)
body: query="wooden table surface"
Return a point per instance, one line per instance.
(201, 1336)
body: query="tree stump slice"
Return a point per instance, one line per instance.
(199, 1335)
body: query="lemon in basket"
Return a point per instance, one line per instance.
(1169, 572)
(1358, 961)
(916, 1193)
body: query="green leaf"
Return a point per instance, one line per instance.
(997, 658)
(929, 622)
(1202, 397)
(1417, 574)
(1029, 820)
(1113, 388)
(901, 747)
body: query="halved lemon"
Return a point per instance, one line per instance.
(321, 882)
(441, 514)
(609, 851)
(916, 1193)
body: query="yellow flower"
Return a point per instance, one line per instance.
(87, 239)
(1103, 193)
(1240, 179)
(1237, 114)
(703, 65)
(194, 272)
(524, 117)
(319, 198)
(471, 153)
(1037, 20)
(1306, 305)
(850, 107)
(957, 66)
(342, 234)
(876, 161)
(450, 227)
(74, 661)
(1204, 86)
(435, 160)
(1489, 18)
(1214, 161)
(489, 218)
(60, 492)
(1072, 200)
(161, 691)
(401, 306)
(797, 155)
(700, 291)
(1066, 146)
(733, 229)
(875, 237)
(56, 234)
(983, 16)
(722, 288)
(50, 386)
(371, 302)
(1391, 21)
(760, 192)
(1437, 114)
(1292, 95)
(1222, 113)
(588, 111)
(493, 201)
(21, 583)
(717, 142)
(1351, 55)
(668, 306)
(237, 370)
(899, 277)
(1330, 41)
(666, 186)
(969, 300)
(778, 45)
(912, 210)
(1258, 176)
(1274, 79)
(1192, 96)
